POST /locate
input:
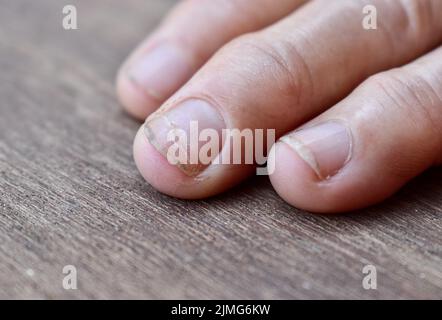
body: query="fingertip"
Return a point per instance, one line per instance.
(299, 185)
(170, 180)
(295, 181)
(157, 171)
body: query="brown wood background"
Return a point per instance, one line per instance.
(71, 195)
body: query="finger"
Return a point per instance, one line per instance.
(368, 146)
(192, 32)
(279, 78)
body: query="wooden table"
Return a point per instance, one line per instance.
(70, 193)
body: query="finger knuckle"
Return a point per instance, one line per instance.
(419, 16)
(412, 94)
(281, 61)
(415, 103)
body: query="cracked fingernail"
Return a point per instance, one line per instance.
(186, 121)
(325, 147)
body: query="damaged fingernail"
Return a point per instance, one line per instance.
(188, 135)
(325, 147)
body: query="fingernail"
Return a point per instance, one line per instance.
(161, 71)
(325, 147)
(179, 128)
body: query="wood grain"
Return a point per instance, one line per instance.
(71, 195)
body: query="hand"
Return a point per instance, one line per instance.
(358, 112)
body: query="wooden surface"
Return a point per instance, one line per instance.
(70, 193)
